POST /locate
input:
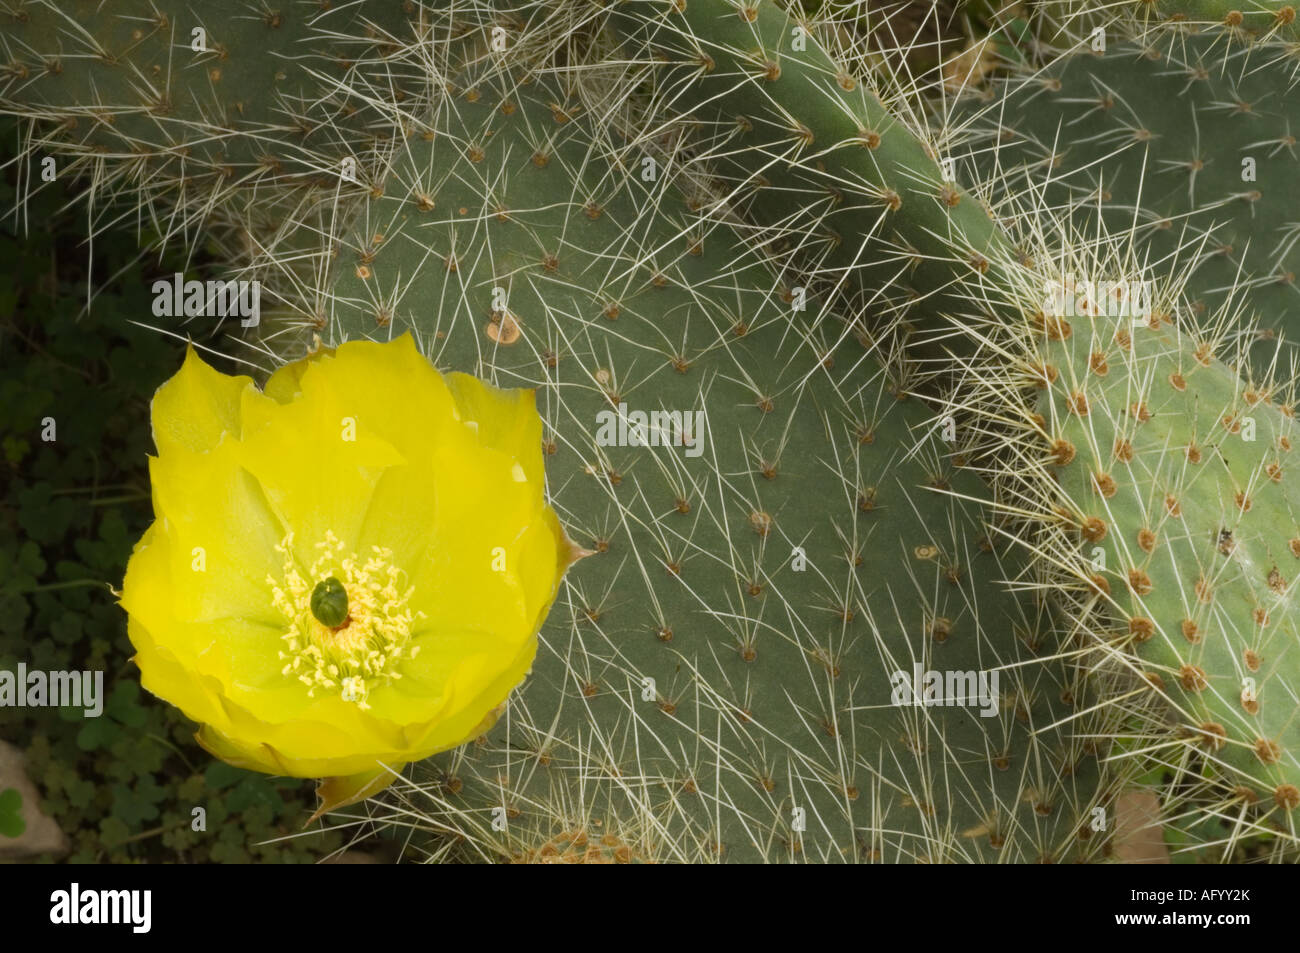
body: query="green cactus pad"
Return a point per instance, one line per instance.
(189, 109)
(1185, 143)
(1167, 487)
(844, 187)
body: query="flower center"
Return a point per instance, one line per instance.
(348, 623)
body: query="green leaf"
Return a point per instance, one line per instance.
(15, 448)
(113, 830)
(66, 628)
(255, 791)
(220, 775)
(11, 817)
(96, 733)
(80, 793)
(138, 804)
(124, 704)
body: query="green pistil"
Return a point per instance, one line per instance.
(329, 603)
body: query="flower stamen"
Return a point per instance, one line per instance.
(348, 625)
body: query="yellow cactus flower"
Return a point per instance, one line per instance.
(346, 571)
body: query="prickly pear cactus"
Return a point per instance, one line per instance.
(186, 109)
(1163, 485)
(1185, 142)
(835, 177)
(793, 636)
(747, 52)
(724, 676)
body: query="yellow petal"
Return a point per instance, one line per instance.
(391, 391)
(477, 686)
(162, 674)
(253, 757)
(220, 534)
(505, 420)
(543, 555)
(316, 467)
(286, 383)
(197, 406)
